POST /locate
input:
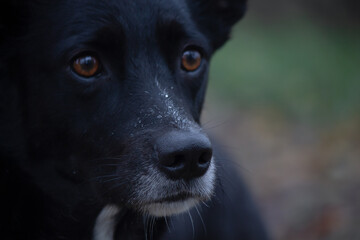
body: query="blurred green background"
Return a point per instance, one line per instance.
(284, 96)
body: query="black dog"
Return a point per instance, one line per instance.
(100, 135)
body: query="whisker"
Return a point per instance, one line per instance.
(172, 223)
(237, 165)
(192, 224)
(103, 176)
(112, 179)
(217, 124)
(152, 223)
(202, 221)
(145, 222)
(110, 164)
(118, 184)
(205, 204)
(167, 225)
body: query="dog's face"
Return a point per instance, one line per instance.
(109, 95)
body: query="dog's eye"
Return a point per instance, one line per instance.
(191, 60)
(86, 66)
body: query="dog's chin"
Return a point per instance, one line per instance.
(163, 209)
(162, 197)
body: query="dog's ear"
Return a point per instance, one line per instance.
(11, 17)
(216, 17)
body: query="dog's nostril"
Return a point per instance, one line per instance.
(205, 158)
(174, 161)
(178, 160)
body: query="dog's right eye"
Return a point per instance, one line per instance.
(191, 60)
(86, 66)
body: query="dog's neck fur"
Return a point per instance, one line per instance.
(26, 207)
(40, 217)
(105, 223)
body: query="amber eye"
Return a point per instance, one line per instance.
(191, 60)
(86, 66)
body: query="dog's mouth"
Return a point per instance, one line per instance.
(170, 206)
(167, 197)
(174, 198)
(173, 204)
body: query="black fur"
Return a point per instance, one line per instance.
(62, 135)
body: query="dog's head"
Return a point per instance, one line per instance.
(103, 98)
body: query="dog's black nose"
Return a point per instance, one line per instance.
(183, 154)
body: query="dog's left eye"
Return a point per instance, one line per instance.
(86, 66)
(191, 60)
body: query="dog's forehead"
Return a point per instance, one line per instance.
(148, 11)
(134, 15)
(79, 21)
